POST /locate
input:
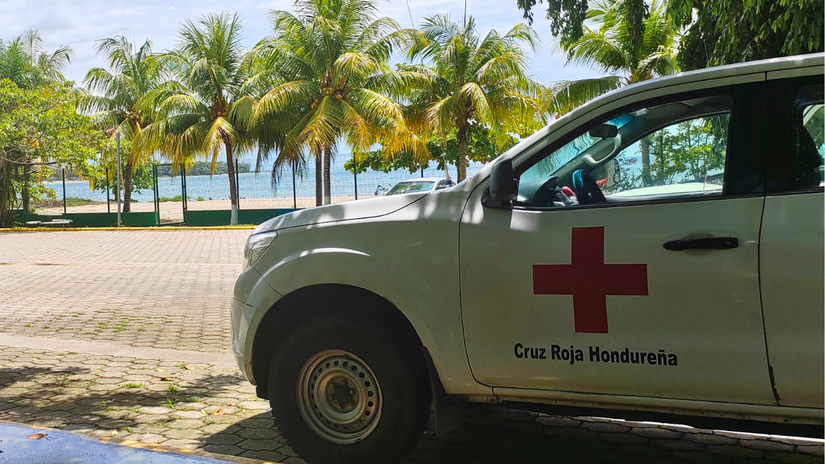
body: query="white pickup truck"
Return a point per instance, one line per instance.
(656, 253)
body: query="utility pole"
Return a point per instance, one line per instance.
(117, 137)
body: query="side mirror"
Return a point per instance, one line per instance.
(503, 186)
(604, 131)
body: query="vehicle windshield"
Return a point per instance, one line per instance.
(411, 187)
(570, 151)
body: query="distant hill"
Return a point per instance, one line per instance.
(201, 168)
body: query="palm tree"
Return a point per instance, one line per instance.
(204, 109)
(628, 42)
(472, 80)
(134, 73)
(24, 61)
(326, 67)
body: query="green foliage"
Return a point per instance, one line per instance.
(201, 168)
(207, 107)
(467, 80)
(566, 17)
(628, 39)
(731, 31)
(24, 61)
(691, 148)
(134, 72)
(41, 126)
(324, 78)
(443, 151)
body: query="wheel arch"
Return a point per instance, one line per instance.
(303, 303)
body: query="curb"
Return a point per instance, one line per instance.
(162, 228)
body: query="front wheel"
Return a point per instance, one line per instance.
(344, 390)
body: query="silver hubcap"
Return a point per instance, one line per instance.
(339, 396)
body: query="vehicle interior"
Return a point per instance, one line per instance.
(549, 179)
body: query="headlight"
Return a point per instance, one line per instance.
(256, 244)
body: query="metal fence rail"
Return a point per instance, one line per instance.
(176, 191)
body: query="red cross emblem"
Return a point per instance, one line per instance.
(589, 279)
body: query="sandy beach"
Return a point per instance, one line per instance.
(172, 211)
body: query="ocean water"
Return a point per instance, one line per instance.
(259, 185)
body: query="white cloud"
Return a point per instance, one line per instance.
(78, 23)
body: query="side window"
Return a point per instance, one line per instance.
(808, 136)
(673, 150)
(686, 158)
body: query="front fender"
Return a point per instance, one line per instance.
(357, 269)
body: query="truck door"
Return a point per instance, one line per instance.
(647, 283)
(791, 250)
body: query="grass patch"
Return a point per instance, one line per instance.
(132, 385)
(71, 201)
(192, 399)
(170, 404)
(172, 389)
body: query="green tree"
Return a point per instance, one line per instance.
(114, 97)
(731, 31)
(40, 127)
(480, 148)
(469, 79)
(24, 61)
(205, 108)
(325, 76)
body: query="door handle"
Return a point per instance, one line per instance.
(710, 243)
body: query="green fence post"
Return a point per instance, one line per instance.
(156, 192)
(64, 189)
(294, 188)
(108, 206)
(237, 185)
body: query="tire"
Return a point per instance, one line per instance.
(386, 429)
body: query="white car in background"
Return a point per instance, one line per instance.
(424, 184)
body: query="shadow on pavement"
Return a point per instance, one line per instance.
(188, 416)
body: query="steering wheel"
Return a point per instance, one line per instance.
(587, 190)
(546, 194)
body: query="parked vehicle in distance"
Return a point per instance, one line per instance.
(656, 254)
(424, 184)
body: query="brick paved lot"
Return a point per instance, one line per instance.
(164, 289)
(169, 289)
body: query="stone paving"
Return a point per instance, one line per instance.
(163, 289)
(142, 277)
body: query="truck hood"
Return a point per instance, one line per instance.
(360, 209)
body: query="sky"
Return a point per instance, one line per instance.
(78, 23)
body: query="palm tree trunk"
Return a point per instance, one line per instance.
(327, 183)
(644, 147)
(319, 181)
(462, 154)
(128, 174)
(233, 187)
